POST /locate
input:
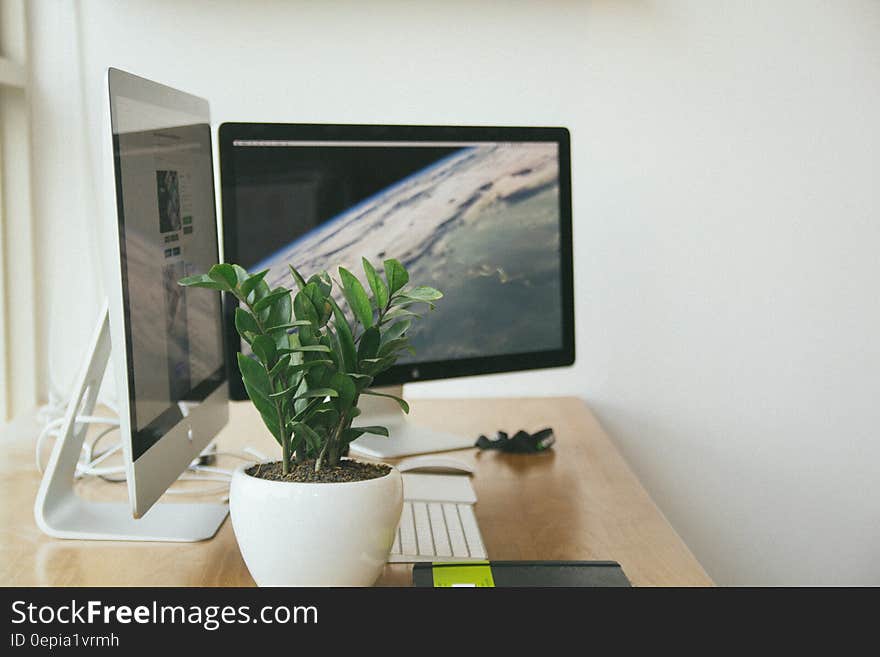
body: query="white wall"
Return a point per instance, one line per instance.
(727, 215)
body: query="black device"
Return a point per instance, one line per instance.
(522, 442)
(520, 574)
(482, 213)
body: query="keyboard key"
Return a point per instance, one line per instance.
(438, 530)
(423, 529)
(456, 531)
(395, 548)
(471, 532)
(408, 530)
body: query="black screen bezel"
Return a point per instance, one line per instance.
(430, 370)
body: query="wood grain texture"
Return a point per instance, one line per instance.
(579, 501)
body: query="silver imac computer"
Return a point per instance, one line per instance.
(481, 213)
(167, 341)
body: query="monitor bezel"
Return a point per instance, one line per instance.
(429, 370)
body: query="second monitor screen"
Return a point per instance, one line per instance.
(479, 221)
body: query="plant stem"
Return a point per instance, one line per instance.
(282, 426)
(285, 458)
(321, 456)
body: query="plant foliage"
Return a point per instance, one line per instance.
(312, 358)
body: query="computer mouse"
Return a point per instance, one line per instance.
(435, 463)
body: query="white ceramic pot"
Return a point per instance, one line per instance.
(315, 534)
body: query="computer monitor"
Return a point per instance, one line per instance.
(167, 340)
(481, 213)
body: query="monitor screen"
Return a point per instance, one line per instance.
(485, 220)
(168, 230)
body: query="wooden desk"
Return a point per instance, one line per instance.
(579, 501)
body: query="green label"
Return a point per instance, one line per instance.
(469, 574)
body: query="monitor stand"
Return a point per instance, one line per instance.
(404, 436)
(61, 513)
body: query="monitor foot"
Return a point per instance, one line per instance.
(108, 521)
(405, 439)
(61, 513)
(404, 436)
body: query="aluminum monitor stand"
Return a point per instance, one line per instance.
(61, 513)
(404, 436)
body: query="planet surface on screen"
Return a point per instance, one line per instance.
(481, 225)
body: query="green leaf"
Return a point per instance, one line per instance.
(304, 309)
(289, 325)
(312, 290)
(300, 281)
(261, 289)
(361, 381)
(248, 285)
(258, 387)
(396, 274)
(369, 344)
(351, 434)
(399, 302)
(245, 322)
(311, 437)
(373, 366)
(314, 393)
(302, 367)
(254, 372)
(403, 405)
(396, 330)
(279, 311)
(305, 348)
(224, 275)
(393, 345)
(330, 340)
(421, 293)
(318, 392)
(264, 349)
(324, 414)
(357, 297)
(346, 340)
(398, 313)
(241, 274)
(305, 408)
(275, 295)
(379, 431)
(377, 285)
(201, 281)
(346, 389)
(323, 282)
(282, 363)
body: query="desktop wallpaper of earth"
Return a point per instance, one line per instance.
(481, 223)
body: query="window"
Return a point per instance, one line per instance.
(18, 364)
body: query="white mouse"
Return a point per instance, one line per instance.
(435, 463)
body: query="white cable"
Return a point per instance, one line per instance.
(256, 453)
(210, 469)
(208, 490)
(89, 467)
(52, 429)
(192, 476)
(53, 416)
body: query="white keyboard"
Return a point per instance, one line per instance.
(432, 530)
(438, 522)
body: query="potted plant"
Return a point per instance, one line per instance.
(315, 517)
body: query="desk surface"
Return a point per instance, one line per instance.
(579, 501)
